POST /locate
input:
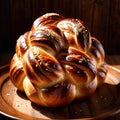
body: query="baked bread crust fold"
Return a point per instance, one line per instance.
(57, 61)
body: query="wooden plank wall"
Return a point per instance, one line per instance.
(101, 16)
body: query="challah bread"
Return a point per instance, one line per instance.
(57, 61)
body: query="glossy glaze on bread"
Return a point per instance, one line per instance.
(57, 61)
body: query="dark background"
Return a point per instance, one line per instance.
(101, 16)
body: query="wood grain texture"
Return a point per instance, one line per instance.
(99, 21)
(114, 27)
(38, 8)
(104, 104)
(101, 16)
(20, 12)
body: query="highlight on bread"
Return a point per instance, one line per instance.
(57, 61)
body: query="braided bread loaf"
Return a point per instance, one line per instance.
(57, 61)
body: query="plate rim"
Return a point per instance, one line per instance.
(5, 70)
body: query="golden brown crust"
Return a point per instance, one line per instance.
(57, 61)
(17, 73)
(49, 18)
(31, 92)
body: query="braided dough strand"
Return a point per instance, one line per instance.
(57, 61)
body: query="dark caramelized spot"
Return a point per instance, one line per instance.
(41, 38)
(18, 71)
(35, 66)
(46, 69)
(80, 73)
(81, 40)
(94, 52)
(59, 90)
(53, 65)
(30, 75)
(98, 46)
(79, 58)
